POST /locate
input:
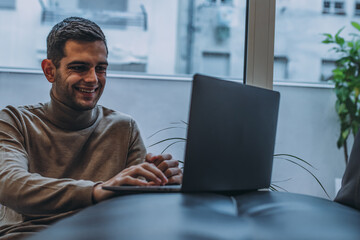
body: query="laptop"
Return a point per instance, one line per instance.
(230, 139)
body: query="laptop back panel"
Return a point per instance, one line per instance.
(231, 136)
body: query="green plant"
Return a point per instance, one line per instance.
(303, 164)
(346, 77)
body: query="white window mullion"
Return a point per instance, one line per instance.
(260, 52)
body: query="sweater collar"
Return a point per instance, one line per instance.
(68, 118)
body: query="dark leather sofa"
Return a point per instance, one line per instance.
(254, 215)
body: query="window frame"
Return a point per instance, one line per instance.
(259, 62)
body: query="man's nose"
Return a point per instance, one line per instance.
(91, 76)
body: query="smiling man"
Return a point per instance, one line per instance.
(55, 157)
(80, 76)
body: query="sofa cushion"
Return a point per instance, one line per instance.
(256, 215)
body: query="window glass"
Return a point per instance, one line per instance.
(7, 4)
(144, 36)
(281, 67)
(357, 8)
(326, 69)
(298, 35)
(309, 125)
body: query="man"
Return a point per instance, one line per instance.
(55, 157)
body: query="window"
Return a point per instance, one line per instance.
(217, 64)
(298, 38)
(326, 6)
(327, 66)
(108, 5)
(181, 37)
(334, 7)
(280, 67)
(357, 8)
(144, 36)
(7, 4)
(221, 1)
(308, 122)
(128, 67)
(215, 30)
(108, 14)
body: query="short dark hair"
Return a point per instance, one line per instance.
(72, 28)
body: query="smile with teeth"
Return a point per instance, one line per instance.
(86, 90)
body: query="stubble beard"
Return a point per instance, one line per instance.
(69, 98)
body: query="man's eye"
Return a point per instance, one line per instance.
(101, 69)
(78, 68)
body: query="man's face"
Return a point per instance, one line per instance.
(81, 76)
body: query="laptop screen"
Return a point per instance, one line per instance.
(231, 136)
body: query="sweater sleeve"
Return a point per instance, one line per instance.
(30, 193)
(349, 193)
(137, 151)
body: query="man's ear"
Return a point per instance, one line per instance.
(49, 70)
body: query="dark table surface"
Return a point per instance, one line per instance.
(255, 215)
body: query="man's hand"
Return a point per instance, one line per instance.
(168, 166)
(130, 176)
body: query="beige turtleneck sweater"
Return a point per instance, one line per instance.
(51, 156)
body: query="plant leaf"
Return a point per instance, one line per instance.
(163, 130)
(275, 186)
(273, 189)
(356, 25)
(338, 32)
(170, 145)
(184, 122)
(300, 159)
(168, 139)
(282, 180)
(312, 176)
(327, 41)
(181, 122)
